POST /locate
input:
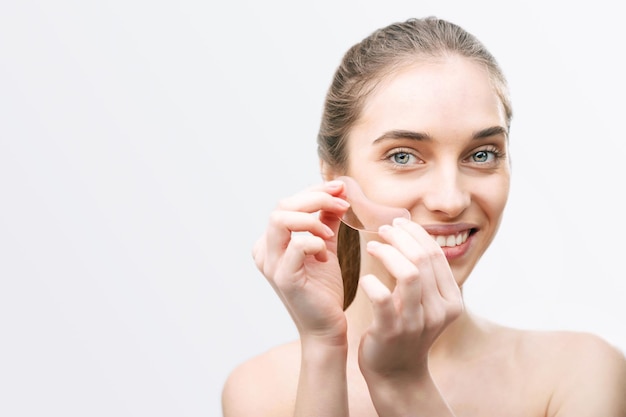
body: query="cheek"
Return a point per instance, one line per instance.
(495, 195)
(391, 192)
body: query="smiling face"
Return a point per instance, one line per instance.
(432, 138)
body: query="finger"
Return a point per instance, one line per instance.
(413, 241)
(293, 259)
(410, 251)
(382, 303)
(409, 281)
(417, 245)
(331, 212)
(281, 226)
(435, 261)
(284, 221)
(299, 249)
(258, 252)
(327, 197)
(446, 283)
(433, 310)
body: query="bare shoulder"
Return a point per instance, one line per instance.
(264, 385)
(587, 374)
(563, 345)
(576, 352)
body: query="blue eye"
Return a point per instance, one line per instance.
(490, 157)
(483, 156)
(401, 158)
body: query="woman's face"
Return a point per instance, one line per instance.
(432, 138)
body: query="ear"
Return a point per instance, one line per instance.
(328, 173)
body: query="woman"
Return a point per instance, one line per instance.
(418, 114)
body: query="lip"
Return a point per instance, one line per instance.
(448, 229)
(455, 252)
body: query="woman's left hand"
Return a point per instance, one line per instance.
(409, 318)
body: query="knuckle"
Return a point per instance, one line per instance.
(416, 257)
(380, 300)
(414, 326)
(258, 247)
(425, 256)
(283, 203)
(409, 275)
(434, 252)
(436, 318)
(306, 244)
(300, 243)
(392, 334)
(296, 242)
(419, 257)
(259, 259)
(275, 218)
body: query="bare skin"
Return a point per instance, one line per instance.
(407, 345)
(543, 376)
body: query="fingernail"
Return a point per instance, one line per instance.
(384, 228)
(400, 220)
(334, 184)
(373, 244)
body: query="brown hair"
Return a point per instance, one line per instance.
(363, 65)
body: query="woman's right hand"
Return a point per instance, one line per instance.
(298, 256)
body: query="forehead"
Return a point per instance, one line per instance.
(445, 96)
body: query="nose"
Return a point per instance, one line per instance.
(447, 194)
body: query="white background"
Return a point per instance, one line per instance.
(143, 144)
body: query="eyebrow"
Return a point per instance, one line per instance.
(424, 137)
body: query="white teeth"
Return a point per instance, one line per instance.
(452, 240)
